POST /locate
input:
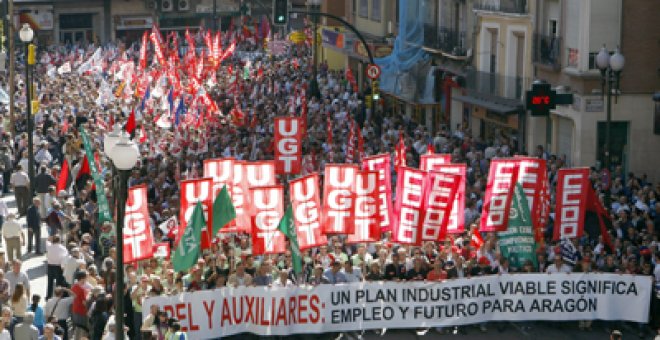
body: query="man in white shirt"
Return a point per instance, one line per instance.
(13, 235)
(56, 254)
(21, 184)
(60, 307)
(71, 263)
(16, 276)
(352, 274)
(558, 266)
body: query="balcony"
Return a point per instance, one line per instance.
(495, 85)
(503, 6)
(547, 51)
(444, 39)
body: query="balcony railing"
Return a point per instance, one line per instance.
(445, 39)
(504, 6)
(547, 50)
(494, 84)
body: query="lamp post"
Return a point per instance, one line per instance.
(124, 155)
(26, 35)
(314, 7)
(610, 70)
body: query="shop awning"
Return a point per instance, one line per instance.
(490, 103)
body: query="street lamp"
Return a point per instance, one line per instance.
(27, 34)
(124, 155)
(610, 70)
(314, 9)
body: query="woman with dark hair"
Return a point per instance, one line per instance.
(99, 317)
(39, 321)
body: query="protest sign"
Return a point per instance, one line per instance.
(374, 305)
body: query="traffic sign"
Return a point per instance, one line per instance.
(373, 71)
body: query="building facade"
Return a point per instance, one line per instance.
(565, 48)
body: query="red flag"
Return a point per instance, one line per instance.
(571, 202)
(499, 194)
(476, 240)
(439, 195)
(65, 125)
(288, 145)
(381, 163)
(328, 129)
(259, 174)
(266, 213)
(193, 191)
(409, 204)
(138, 241)
(603, 217)
(360, 144)
(84, 168)
(130, 123)
(240, 197)
(161, 250)
(306, 206)
(143, 134)
(431, 162)
(456, 224)
(532, 175)
(338, 200)
(365, 209)
(143, 52)
(400, 153)
(221, 172)
(430, 149)
(350, 146)
(63, 180)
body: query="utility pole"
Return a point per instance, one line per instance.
(11, 82)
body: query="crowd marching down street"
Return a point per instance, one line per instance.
(246, 180)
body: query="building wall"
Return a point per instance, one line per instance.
(640, 45)
(642, 154)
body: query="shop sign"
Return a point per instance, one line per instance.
(378, 50)
(594, 105)
(333, 38)
(129, 22)
(38, 17)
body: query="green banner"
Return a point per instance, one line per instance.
(101, 200)
(517, 243)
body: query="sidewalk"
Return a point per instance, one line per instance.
(34, 266)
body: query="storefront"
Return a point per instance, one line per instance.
(40, 18)
(129, 29)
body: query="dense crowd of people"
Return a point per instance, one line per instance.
(81, 253)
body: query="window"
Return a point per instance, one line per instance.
(375, 10)
(592, 60)
(363, 11)
(573, 57)
(552, 28)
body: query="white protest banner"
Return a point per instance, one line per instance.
(349, 307)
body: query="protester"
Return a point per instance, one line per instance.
(174, 149)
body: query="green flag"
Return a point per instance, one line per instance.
(287, 228)
(517, 243)
(223, 210)
(101, 200)
(188, 249)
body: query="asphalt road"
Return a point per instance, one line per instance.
(35, 266)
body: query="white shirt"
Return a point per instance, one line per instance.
(4, 335)
(354, 276)
(11, 229)
(656, 272)
(69, 266)
(552, 269)
(56, 253)
(4, 211)
(61, 310)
